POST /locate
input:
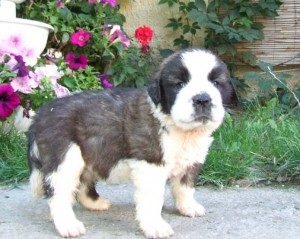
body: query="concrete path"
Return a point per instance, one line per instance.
(266, 212)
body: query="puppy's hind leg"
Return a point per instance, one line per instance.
(63, 185)
(87, 195)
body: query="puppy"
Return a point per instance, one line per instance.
(148, 136)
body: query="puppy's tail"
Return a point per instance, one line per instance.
(36, 177)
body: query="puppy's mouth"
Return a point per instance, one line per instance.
(203, 118)
(199, 118)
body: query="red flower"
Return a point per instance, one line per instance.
(76, 62)
(80, 38)
(144, 34)
(9, 100)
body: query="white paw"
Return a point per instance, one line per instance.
(156, 229)
(70, 228)
(100, 204)
(192, 209)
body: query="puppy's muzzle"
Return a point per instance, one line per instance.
(202, 104)
(202, 100)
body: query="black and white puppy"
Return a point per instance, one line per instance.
(149, 135)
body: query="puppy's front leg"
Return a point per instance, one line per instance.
(149, 181)
(183, 189)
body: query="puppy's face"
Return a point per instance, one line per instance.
(193, 86)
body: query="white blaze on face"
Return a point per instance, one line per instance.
(199, 64)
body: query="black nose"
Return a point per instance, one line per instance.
(202, 99)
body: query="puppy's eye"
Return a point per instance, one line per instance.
(216, 83)
(179, 85)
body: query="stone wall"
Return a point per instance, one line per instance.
(150, 13)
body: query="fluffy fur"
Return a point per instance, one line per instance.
(148, 136)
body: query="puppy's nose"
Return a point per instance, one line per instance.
(202, 99)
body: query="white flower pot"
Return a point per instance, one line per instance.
(8, 8)
(33, 34)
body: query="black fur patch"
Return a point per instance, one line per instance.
(96, 122)
(191, 175)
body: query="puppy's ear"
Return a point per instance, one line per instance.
(232, 102)
(234, 99)
(154, 91)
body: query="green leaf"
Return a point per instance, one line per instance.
(198, 16)
(222, 49)
(186, 29)
(249, 57)
(65, 13)
(213, 17)
(251, 75)
(226, 21)
(245, 21)
(234, 14)
(130, 70)
(140, 82)
(201, 5)
(166, 52)
(70, 83)
(266, 67)
(65, 37)
(53, 20)
(265, 85)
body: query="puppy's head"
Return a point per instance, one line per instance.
(193, 87)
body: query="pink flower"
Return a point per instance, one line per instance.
(60, 91)
(76, 62)
(9, 100)
(29, 56)
(92, 1)
(24, 84)
(112, 3)
(80, 38)
(116, 35)
(106, 29)
(60, 4)
(104, 81)
(48, 71)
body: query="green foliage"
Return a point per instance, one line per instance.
(188, 28)
(39, 97)
(257, 145)
(226, 23)
(103, 55)
(275, 85)
(13, 161)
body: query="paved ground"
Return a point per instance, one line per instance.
(266, 212)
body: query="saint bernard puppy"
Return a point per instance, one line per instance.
(148, 136)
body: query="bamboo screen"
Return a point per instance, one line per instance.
(281, 44)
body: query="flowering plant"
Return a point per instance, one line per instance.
(88, 50)
(89, 33)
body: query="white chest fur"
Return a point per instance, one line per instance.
(182, 149)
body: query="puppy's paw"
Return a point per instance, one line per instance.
(192, 209)
(156, 229)
(70, 228)
(101, 204)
